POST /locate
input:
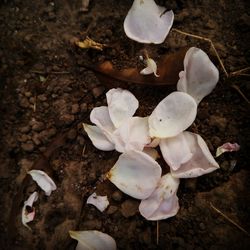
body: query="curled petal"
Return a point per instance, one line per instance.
(136, 174)
(29, 216)
(151, 68)
(147, 22)
(227, 147)
(163, 202)
(187, 155)
(121, 105)
(43, 181)
(172, 115)
(98, 138)
(93, 239)
(199, 77)
(100, 202)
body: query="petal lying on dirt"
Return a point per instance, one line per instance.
(154, 143)
(132, 135)
(98, 138)
(43, 181)
(172, 115)
(146, 22)
(29, 216)
(122, 105)
(93, 239)
(227, 147)
(100, 202)
(136, 174)
(163, 202)
(151, 152)
(200, 76)
(187, 155)
(151, 68)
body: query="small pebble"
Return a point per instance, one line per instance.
(129, 208)
(28, 147)
(117, 196)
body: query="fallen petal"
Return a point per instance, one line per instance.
(172, 115)
(227, 147)
(147, 22)
(101, 202)
(136, 174)
(121, 105)
(43, 181)
(93, 239)
(163, 202)
(187, 155)
(98, 138)
(26, 216)
(151, 152)
(200, 76)
(151, 68)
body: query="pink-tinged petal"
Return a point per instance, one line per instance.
(163, 202)
(122, 105)
(147, 22)
(26, 216)
(193, 157)
(154, 143)
(227, 147)
(100, 202)
(172, 115)
(136, 174)
(132, 135)
(93, 239)
(98, 138)
(200, 76)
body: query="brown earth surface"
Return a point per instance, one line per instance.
(46, 93)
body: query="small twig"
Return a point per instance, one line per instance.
(239, 72)
(52, 72)
(230, 220)
(157, 232)
(241, 93)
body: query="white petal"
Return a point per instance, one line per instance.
(98, 138)
(132, 135)
(163, 202)
(27, 217)
(200, 76)
(173, 114)
(101, 202)
(90, 240)
(43, 181)
(136, 174)
(146, 22)
(151, 68)
(187, 155)
(227, 147)
(121, 105)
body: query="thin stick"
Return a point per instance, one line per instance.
(241, 93)
(52, 72)
(207, 40)
(230, 220)
(157, 232)
(238, 72)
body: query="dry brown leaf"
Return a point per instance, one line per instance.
(89, 43)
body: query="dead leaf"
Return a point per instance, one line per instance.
(89, 43)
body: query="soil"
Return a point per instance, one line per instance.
(46, 93)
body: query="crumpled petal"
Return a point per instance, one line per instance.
(43, 181)
(100, 202)
(26, 216)
(199, 77)
(227, 147)
(187, 155)
(92, 239)
(163, 202)
(147, 22)
(136, 174)
(172, 115)
(98, 138)
(122, 105)
(132, 135)
(151, 68)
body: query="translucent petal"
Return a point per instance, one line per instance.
(88, 240)
(151, 68)
(136, 174)
(98, 138)
(163, 202)
(172, 115)
(100, 202)
(147, 22)
(187, 155)
(200, 76)
(43, 181)
(121, 105)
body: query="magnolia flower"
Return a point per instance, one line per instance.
(100, 202)
(146, 22)
(115, 127)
